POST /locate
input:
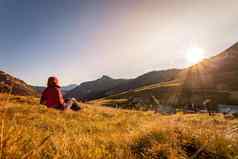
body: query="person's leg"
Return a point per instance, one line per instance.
(58, 107)
(68, 104)
(72, 104)
(75, 105)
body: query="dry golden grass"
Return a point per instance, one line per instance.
(159, 85)
(29, 130)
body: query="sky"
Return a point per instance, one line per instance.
(81, 40)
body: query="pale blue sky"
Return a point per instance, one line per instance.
(80, 40)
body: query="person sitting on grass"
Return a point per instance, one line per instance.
(52, 97)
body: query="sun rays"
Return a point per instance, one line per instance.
(195, 55)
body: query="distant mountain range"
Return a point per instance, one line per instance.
(10, 84)
(95, 89)
(65, 89)
(107, 86)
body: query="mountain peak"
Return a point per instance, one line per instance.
(105, 77)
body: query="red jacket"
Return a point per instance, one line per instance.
(52, 97)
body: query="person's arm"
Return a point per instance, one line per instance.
(60, 97)
(43, 99)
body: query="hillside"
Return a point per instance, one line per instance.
(146, 79)
(107, 86)
(10, 84)
(29, 130)
(215, 78)
(219, 72)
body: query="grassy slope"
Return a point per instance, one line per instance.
(168, 93)
(29, 130)
(162, 91)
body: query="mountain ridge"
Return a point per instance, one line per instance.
(95, 89)
(106, 86)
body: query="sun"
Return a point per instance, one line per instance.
(195, 55)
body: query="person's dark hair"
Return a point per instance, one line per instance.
(53, 82)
